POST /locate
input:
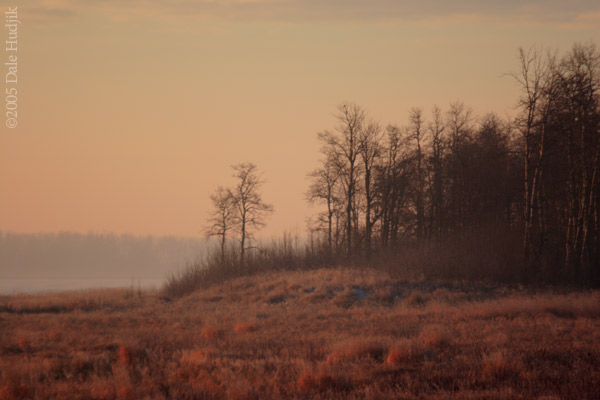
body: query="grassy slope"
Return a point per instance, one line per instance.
(319, 334)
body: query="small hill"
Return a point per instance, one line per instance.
(326, 333)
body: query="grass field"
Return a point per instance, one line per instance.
(328, 333)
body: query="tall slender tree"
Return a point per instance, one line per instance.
(343, 149)
(370, 150)
(436, 155)
(220, 221)
(417, 135)
(323, 189)
(250, 209)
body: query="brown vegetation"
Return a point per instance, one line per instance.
(386, 338)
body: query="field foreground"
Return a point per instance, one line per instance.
(303, 335)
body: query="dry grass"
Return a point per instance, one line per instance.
(326, 334)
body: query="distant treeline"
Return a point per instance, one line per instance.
(74, 255)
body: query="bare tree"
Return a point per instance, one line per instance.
(323, 190)
(250, 209)
(459, 125)
(343, 148)
(436, 129)
(221, 219)
(392, 183)
(417, 134)
(559, 122)
(370, 150)
(533, 78)
(578, 100)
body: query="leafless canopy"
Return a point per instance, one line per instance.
(239, 209)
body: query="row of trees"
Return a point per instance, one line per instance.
(560, 130)
(528, 185)
(535, 176)
(419, 182)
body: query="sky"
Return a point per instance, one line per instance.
(130, 113)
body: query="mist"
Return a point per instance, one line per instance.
(67, 260)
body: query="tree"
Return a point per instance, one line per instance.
(436, 197)
(323, 189)
(221, 219)
(533, 79)
(417, 134)
(459, 125)
(370, 150)
(343, 149)
(493, 174)
(250, 209)
(392, 186)
(560, 122)
(578, 119)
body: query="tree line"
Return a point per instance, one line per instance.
(522, 191)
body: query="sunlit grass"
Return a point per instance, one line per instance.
(327, 333)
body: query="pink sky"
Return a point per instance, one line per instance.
(130, 115)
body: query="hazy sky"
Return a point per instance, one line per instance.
(131, 112)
